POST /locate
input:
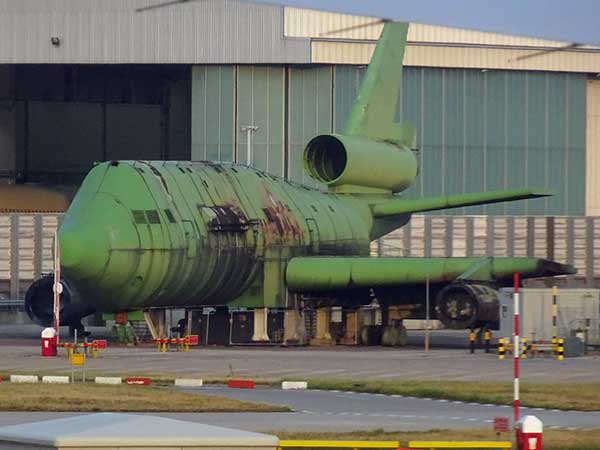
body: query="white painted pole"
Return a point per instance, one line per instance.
(249, 129)
(57, 287)
(249, 155)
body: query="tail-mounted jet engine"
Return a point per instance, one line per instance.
(462, 305)
(39, 303)
(355, 161)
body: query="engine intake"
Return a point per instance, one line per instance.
(39, 303)
(338, 160)
(460, 306)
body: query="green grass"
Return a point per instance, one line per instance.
(89, 397)
(579, 396)
(552, 439)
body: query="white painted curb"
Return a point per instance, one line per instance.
(288, 385)
(24, 379)
(188, 382)
(108, 380)
(55, 379)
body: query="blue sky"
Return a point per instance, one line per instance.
(564, 20)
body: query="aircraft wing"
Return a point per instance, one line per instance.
(409, 206)
(333, 273)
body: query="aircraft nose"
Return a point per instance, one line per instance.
(84, 249)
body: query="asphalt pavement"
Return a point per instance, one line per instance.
(315, 410)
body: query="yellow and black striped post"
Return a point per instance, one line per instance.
(501, 348)
(560, 352)
(523, 348)
(472, 340)
(487, 337)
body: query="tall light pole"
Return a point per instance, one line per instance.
(249, 129)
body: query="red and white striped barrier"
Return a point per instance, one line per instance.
(241, 384)
(294, 385)
(108, 380)
(137, 381)
(54, 379)
(24, 379)
(188, 382)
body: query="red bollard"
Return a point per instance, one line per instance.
(529, 433)
(49, 342)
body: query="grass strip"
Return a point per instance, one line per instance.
(552, 439)
(577, 396)
(81, 397)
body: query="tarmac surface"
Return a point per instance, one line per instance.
(347, 411)
(319, 410)
(375, 363)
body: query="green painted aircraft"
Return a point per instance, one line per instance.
(182, 234)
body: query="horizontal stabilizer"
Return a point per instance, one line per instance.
(332, 273)
(409, 206)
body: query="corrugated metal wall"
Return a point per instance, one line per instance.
(111, 31)
(477, 130)
(349, 39)
(261, 103)
(593, 149)
(213, 101)
(309, 112)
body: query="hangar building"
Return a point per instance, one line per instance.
(91, 80)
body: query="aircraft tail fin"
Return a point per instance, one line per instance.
(374, 112)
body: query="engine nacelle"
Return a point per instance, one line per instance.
(338, 160)
(460, 306)
(39, 303)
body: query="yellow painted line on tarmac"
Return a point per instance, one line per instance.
(339, 444)
(459, 444)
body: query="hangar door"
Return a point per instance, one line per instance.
(66, 138)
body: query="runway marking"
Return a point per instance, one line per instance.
(407, 416)
(457, 402)
(488, 420)
(456, 418)
(554, 427)
(571, 428)
(442, 400)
